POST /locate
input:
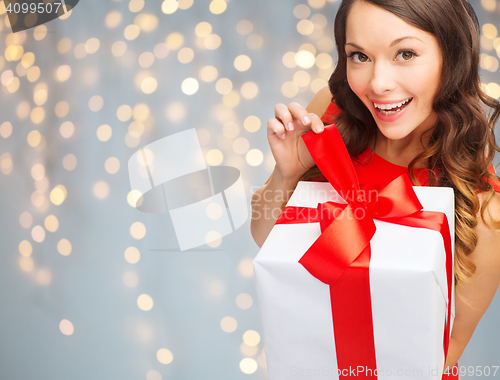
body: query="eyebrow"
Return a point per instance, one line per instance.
(396, 41)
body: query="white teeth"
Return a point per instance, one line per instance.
(391, 106)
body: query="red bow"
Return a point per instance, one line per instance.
(340, 257)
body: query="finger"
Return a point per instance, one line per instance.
(300, 113)
(274, 127)
(282, 113)
(316, 124)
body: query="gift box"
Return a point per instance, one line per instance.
(349, 286)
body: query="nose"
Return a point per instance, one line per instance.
(382, 80)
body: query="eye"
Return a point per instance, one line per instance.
(406, 55)
(358, 57)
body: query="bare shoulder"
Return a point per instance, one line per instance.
(492, 211)
(320, 101)
(487, 252)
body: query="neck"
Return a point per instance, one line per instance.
(400, 152)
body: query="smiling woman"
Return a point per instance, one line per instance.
(395, 69)
(406, 97)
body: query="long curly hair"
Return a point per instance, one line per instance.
(462, 144)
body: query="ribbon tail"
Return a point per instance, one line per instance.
(353, 321)
(330, 154)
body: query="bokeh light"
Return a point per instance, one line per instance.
(164, 356)
(38, 234)
(251, 338)
(64, 247)
(254, 157)
(245, 268)
(176, 112)
(51, 223)
(252, 123)
(69, 162)
(101, 189)
(244, 27)
(104, 132)
(249, 90)
(185, 55)
(25, 248)
(26, 264)
(152, 374)
(132, 255)
(248, 366)
(228, 324)
(62, 108)
(224, 86)
(208, 73)
(67, 129)
(214, 157)
(5, 129)
(214, 211)
(130, 279)
(63, 73)
(175, 40)
(301, 11)
(138, 230)
(25, 220)
(66, 327)
(145, 302)
(113, 19)
(213, 239)
(242, 62)
(96, 103)
(112, 165)
(244, 301)
(43, 277)
(217, 6)
(58, 195)
(190, 86)
(203, 29)
(212, 42)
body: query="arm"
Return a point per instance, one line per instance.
(291, 156)
(485, 282)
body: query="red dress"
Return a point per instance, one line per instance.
(373, 169)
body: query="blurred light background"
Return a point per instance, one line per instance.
(90, 288)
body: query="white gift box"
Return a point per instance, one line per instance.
(408, 286)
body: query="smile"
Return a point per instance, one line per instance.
(389, 109)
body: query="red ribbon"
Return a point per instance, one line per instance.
(340, 257)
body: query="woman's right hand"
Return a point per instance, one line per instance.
(284, 133)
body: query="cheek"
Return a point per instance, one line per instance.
(357, 81)
(428, 83)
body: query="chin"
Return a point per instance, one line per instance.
(393, 133)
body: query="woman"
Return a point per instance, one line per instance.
(407, 93)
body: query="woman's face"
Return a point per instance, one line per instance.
(394, 68)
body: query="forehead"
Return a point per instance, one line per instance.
(367, 22)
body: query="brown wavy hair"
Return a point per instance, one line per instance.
(462, 143)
